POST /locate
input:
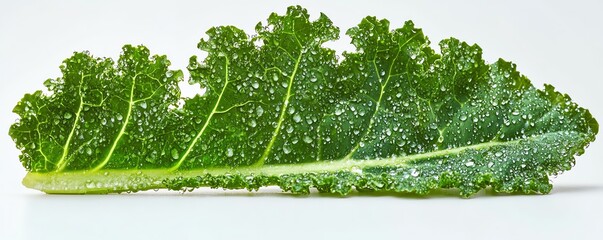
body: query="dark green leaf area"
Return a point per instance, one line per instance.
(99, 111)
(263, 104)
(279, 108)
(514, 168)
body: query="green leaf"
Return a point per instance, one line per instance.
(281, 109)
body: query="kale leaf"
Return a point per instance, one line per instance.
(281, 109)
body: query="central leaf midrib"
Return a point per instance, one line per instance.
(313, 167)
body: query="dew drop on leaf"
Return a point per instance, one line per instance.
(286, 149)
(259, 111)
(289, 129)
(175, 154)
(229, 152)
(297, 118)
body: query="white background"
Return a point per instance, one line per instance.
(560, 43)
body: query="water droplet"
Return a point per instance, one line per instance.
(285, 84)
(143, 105)
(313, 79)
(297, 118)
(469, 164)
(414, 173)
(229, 152)
(259, 111)
(67, 115)
(289, 129)
(286, 149)
(255, 85)
(175, 154)
(463, 117)
(252, 123)
(498, 154)
(307, 139)
(104, 121)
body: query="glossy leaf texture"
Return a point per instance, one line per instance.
(279, 108)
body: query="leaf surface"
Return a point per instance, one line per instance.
(281, 109)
